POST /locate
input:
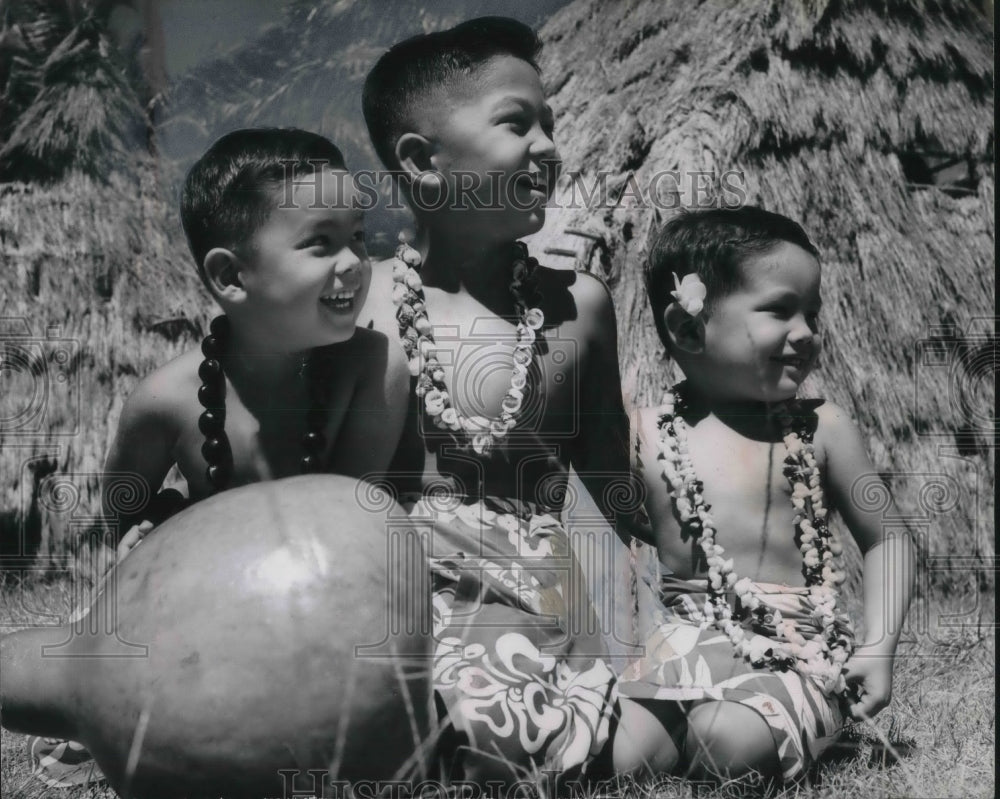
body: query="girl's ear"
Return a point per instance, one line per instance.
(413, 152)
(687, 333)
(222, 273)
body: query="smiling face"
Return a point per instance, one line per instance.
(306, 273)
(762, 340)
(491, 139)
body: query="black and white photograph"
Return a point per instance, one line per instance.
(565, 399)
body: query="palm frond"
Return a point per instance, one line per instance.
(68, 100)
(85, 116)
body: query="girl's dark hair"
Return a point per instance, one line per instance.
(403, 77)
(713, 244)
(230, 191)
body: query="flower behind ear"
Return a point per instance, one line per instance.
(690, 294)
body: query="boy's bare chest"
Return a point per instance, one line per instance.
(266, 435)
(750, 503)
(478, 352)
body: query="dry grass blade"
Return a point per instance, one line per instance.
(135, 751)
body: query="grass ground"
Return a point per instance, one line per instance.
(941, 723)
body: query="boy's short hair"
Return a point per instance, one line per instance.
(229, 192)
(713, 244)
(403, 77)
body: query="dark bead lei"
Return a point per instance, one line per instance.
(212, 395)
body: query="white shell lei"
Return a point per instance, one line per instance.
(417, 337)
(822, 657)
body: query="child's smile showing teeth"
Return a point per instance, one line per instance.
(341, 301)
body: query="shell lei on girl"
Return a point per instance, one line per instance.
(824, 656)
(417, 337)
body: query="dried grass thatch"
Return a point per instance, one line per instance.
(66, 98)
(96, 290)
(819, 110)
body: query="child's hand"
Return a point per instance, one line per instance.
(132, 538)
(869, 682)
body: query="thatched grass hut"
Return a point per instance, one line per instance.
(872, 124)
(95, 288)
(95, 291)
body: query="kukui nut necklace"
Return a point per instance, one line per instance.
(212, 395)
(822, 657)
(417, 336)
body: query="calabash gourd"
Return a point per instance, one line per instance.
(279, 626)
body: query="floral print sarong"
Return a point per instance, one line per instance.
(519, 666)
(689, 661)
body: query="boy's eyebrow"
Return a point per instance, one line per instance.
(315, 222)
(510, 99)
(774, 295)
(522, 102)
(777, 294)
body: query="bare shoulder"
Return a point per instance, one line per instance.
(156, 410)
(170, 387)
(831, 419)
(574, 297)
(590, 290)
(836, 431)
(590, 293)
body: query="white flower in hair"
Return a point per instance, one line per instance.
(690, 293)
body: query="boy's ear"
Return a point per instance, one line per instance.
(222, 272)
(413, 152)
(686, 332)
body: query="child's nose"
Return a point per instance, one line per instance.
(544, 146)
(348, 264)
(802, 331)
(547, 156)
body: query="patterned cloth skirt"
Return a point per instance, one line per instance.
(521, 673)
(689, 661)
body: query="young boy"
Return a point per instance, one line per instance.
(285, 382)
(516, 380)
(761, 670)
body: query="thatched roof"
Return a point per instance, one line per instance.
(824, 107)
(96, 290)
(67, 102)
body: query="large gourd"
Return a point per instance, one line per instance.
(278, 626)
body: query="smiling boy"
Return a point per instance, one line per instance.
(285, 382)
(473, 143)
(741, 477)
(516, 380)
